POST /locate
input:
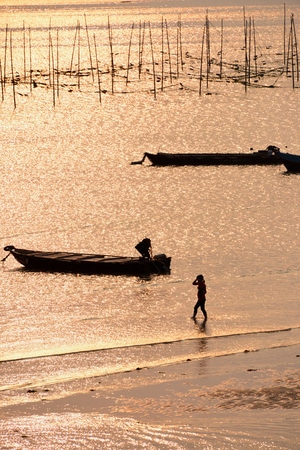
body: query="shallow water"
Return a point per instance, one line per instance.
(67, 184)
(116, 433)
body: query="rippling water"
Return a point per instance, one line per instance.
(67, 184)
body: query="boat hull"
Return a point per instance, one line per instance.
(90, 264)
(291, 162)
(261, 157)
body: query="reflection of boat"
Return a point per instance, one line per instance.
(260, 157)
(291, 162)
(90, 263)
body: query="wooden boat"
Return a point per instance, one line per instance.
(291, 162)
(90, 263)
(269, 156)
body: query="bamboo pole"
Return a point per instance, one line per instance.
(143, 43)
(24, 50)
(141, 46)
(73, 50)
(12, 71)
(49, 54)
(284, 37)
(296, 47)
(57, 65)
(129, 50)
(153, 62)
(208, 63)
(30, 60)
(2, 85)
(52, 73)
(111, 55)
(5, 54)
(221, 50)
(180, 42)
(207, 49)
(78, 56)
(292, 52)
(255, 48)
(97, 67)
(246, 53)
(169, 51)
(177, 51)
(140, 49)
(89, 47)
(249, 51)
(288, 54)
(162, 55)
(201, 60)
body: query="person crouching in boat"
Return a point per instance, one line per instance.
(145, 248)
(200, 282)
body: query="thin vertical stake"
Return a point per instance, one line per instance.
(129, 49)
(30, 60)
(153, 62)
(12, 71)
(169, 50)
(88, 41)
(97, 67)
(24, 49)
(2, 87)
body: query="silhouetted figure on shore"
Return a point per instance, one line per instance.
(200, 282)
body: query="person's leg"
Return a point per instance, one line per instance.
(195, 309)
(202, 306)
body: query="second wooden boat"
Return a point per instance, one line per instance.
(269, 156)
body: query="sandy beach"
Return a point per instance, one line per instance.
(255, 395)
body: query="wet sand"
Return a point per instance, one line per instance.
(254, 392)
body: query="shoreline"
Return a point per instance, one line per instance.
(210, 381)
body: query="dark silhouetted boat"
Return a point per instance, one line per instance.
(269, 156)
(291, 162)
(90, 263)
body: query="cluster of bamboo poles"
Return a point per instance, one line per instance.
(55, 77)
(292, 56)
(290, 53)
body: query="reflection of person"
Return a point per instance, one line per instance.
(200, 282)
